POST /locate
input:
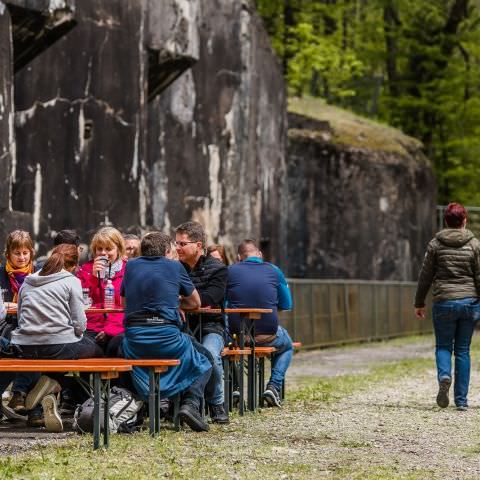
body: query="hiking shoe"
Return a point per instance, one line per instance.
(44, 386)
(189, 414)
(53, 420)
(218, 414)
(443, 388)
(17, 403)
(271, 396)
(35, 418)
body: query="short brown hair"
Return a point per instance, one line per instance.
(108, 236)
(64, 255)
(247, 244)
(194, 230)
(19, 239)
(220, 249)
(155, 244)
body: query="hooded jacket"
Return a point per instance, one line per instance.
(50, 310)
(452, 265)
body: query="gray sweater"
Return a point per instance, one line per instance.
(50, 310)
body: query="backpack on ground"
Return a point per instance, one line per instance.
(123, 413)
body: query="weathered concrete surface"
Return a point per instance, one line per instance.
(361, 199)
(101, 139)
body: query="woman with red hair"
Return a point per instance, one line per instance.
(452, 266)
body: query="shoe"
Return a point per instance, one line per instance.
(10, 414)
(443, 388)
(191, 416)
(17, 403)
(35, 418)
(235, 399)
(44, 386)
(271, 396)
(53, 420)
(218, 414)
(462, 408)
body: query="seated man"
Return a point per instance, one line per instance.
(150, 290)
(255, 283)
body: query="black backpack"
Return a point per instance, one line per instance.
(123, 412)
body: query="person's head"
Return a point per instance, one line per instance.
(19, 249)
(132, 245)
(190, 240)
(64, 256)
(455, 215)
(67, 236)
(155, 244)
(248, 248)
(108, 241)
(218, 251)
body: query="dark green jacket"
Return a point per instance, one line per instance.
(452, 265)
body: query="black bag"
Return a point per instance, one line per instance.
(123, 413)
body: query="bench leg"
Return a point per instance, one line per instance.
(252, 382)
(261, 380)
(106, 414)
(151, 401)
(157, 403)
(96, 411)
(226, 383)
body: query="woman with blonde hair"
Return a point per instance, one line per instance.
(108, 251)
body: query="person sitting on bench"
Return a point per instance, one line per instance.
(255, 283)
(151, 289)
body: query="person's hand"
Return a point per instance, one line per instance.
(420, 312)
(98, 265)
(101, 337)
(182, 315)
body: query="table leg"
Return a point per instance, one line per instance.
(261, 380)
(157, 404)
(240, 367)
(176, 408)
(151, 401)
(96, 410)
(226, 383)
(106, 415)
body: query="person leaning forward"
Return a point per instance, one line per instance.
(452, 266)
(209, 275)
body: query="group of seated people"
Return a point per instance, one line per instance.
(157, 280)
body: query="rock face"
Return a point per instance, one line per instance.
(361, 197)
(145, 114)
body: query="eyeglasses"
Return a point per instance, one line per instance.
(182, 244)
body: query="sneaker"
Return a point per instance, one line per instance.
(443, 388)
(271, 396)
(17, 403)
(235, 399)
(191, 416)
(44, 386)
(10, 414)
(53, 420)
(462, 408)
(218, 414)
(35, 418)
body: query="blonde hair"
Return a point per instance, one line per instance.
(108, 237)
(19, 239)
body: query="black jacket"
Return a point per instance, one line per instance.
(210, 278)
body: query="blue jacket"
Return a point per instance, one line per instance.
(258, 284)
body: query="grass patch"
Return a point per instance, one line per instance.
(382, 473)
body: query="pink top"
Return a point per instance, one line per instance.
(110, 323)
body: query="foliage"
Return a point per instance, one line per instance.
(412, 63)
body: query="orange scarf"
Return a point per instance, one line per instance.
(17, 276)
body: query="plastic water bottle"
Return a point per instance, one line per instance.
(109, 300)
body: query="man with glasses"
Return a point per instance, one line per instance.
(209, 276)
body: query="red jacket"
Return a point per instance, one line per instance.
(110, 323)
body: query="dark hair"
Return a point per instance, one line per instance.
(130, 236)
(67, 236)
(63, 256)
(220, 249)
(155, 244)
(193, 230)
(454, 215)
(246, 245)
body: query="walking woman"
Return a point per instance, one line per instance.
(452, 266)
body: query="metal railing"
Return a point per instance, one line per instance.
(329, 312)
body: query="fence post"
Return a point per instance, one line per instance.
(346, 306)
(330, 320)
(312, 313)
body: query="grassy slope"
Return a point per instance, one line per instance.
(352, 130)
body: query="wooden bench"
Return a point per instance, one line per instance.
(103, 369)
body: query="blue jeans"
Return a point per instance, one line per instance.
(281, 358)
(214, 343)
(454, 321)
